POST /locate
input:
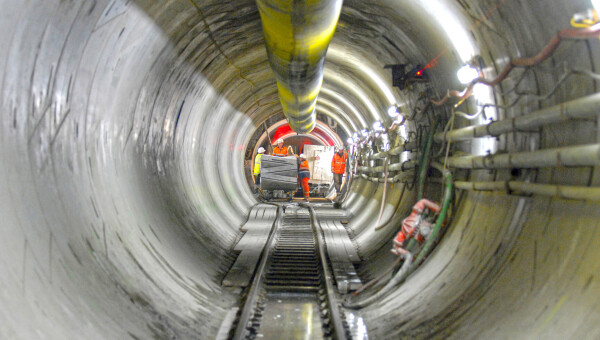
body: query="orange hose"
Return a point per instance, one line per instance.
(547, 51)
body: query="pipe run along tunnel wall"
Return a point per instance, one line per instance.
(123, 131)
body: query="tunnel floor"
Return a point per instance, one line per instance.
(295, 265)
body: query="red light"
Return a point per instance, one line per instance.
(419, 72)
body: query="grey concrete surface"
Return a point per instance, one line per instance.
(123, 130)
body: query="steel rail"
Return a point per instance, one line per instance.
(336, 318)
(244, 325)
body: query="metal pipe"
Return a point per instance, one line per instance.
(398, 178)
(563, 191)
(581, 155)
(378, 155)
(582, 108)
(297, 34)
(363, 169)
(406, 146)
(403, 166)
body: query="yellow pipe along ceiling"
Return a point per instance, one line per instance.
(297, 34)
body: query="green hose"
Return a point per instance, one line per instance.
(423, 164)
(408, 267)
(438, 224)
(411, 244)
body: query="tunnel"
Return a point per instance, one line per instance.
(128, 129)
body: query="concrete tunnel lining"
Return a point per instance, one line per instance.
(124, 126)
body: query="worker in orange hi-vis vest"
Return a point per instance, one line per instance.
(279, 150)
(304, 176)
(338, 167)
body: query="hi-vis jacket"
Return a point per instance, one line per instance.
(338, 163)
(303, 170)
(257, 163)
(277, 151)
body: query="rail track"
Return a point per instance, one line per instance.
(292, 294)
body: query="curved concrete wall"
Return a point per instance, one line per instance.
(123, 131)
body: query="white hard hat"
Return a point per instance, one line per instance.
(261, 150)
(279, 141)
(302, 155)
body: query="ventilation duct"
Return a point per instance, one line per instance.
(297, 34)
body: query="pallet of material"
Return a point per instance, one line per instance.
(279, 173)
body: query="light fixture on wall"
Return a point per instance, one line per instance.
(467, 74)
(377, 126)
(393, 111)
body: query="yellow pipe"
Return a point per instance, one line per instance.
(297, 34)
